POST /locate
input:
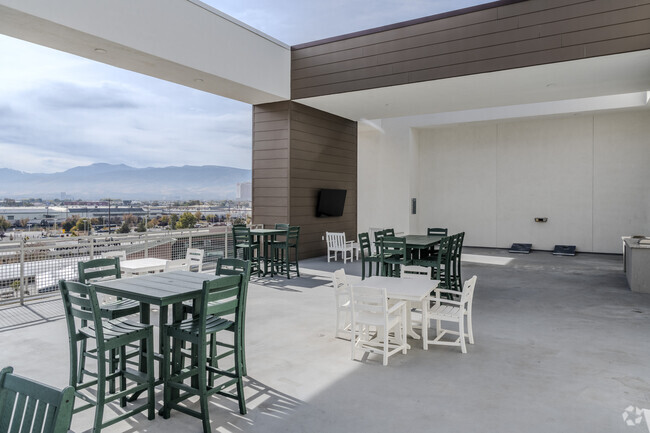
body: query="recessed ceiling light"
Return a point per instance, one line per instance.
(198, 80)
(100, 50)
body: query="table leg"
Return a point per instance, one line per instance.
(265, 241)
(145, 317)
(425, 322)
(409, 323)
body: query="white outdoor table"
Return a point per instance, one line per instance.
(142, 266)
(403, 289)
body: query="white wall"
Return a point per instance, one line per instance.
(589, 174)
(384, 178)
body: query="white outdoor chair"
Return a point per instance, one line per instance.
(343, 311)
(336, 243)
(194, 256)
(177, 265)
(414, 271)
(117, 253)
(370, 308)
(452, 311)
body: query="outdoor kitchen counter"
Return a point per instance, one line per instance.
(637, 263)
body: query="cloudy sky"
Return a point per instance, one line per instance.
(58, 111)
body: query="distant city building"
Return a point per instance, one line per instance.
(245, 191)
(35, 215)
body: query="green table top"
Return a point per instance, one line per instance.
(266, 232)
(165, 288)
(422, 241)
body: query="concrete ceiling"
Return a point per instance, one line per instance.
(600, 76)
(185, 42)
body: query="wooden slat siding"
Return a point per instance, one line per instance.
(521, 34)
(297, 151)
(319, 141)
(270, 163)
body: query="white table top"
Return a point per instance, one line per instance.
(149, 264)
(415, 289)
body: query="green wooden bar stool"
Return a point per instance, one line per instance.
(393, 255)
(92, 270)
(281, 253)
(34, 405)
(228, 267)
(243, 240)
(219, 297)
(81, 305)
(367, 256)
(455, 277)
(440, 264)
(233, 267)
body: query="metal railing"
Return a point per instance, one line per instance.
(32, 268)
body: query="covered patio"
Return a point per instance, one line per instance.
(560, 346)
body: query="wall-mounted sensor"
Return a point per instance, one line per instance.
(541, 220)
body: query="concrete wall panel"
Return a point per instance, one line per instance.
(587, 173)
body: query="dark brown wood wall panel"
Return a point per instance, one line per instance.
(492, 37)
(297, 151)
(323, 155)
(271, 163)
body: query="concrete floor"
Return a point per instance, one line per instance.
(561, 346)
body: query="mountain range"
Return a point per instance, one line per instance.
(96, 181)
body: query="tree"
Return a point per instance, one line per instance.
(69, 223)
(4, 224)
(153, 222)
(130, 219)
(186, 221)
(124, 228)
(198, 215)
(141, 227)
(163, 221)
(173, 219)
(82, 225)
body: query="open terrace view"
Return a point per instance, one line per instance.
(448, 230)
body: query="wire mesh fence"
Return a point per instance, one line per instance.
(32, 268)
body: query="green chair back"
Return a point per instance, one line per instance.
(220, 297)
(436, 231)
(242, 235)
(34, 405)
(233, 267)
(364, 245)
(378, 235)
(293, 234)
(99, 268)
(389, 232)
(393, 254)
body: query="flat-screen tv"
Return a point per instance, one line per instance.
(330, 202)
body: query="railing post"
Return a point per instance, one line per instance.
(146, 245)
(190, 239)
(22, 271)
(91, 240)
(225, 243)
